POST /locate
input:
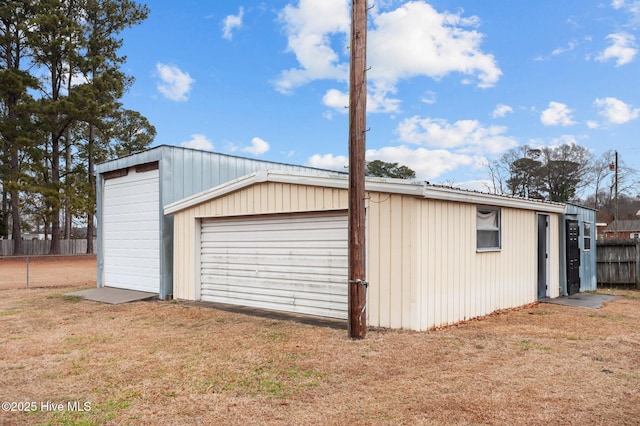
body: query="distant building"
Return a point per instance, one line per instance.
(33, 236)
(622, 230)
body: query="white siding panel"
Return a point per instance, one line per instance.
(131, 231)
(293, 263)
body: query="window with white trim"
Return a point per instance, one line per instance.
(586, 236)
(488, 228)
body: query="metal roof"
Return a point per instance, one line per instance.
(384, 185)
(156, 153)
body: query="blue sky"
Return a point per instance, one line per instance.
(453, 84)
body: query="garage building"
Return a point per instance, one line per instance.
(277, 240)
(134, 237)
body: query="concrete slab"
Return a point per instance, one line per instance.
(582, 300)
(113, 295)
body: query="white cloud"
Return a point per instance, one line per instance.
(230, 147)
(560, 50)
(377, 101)
(501, 111)
(557, 51)
(428, 164)
(328, 161)
(438, 147)
(198, 141)
(558, 114)
(632, 7)
(623, 49)
(554, 142)
(429, 98)
(337, 100)
(464, 136)
(309, 28)
(565, 140)
(415, 40)
(258, 147)
(231, 23)
(409, 41)
(174, 84)
(616, 111)
(592, 124)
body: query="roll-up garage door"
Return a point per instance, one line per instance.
(131, 231)
(294, 263)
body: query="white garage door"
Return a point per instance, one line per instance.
(292, 263)
(131, 229)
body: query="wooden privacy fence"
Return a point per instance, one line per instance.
(42, 247)
(618, 263)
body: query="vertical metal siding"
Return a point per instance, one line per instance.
(554, 284)
(423, 267)
(460, 283)
(293, 263)
(183, 172)
(588, 258)
(248, 201)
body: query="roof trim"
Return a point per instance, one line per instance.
(582, 206)
(482, 198)
(155, 153)
(341, 181)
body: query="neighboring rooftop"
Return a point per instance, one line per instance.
(623, 226)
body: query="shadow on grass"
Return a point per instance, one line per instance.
(274, 315)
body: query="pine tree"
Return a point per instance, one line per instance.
(15, 111)
(49, 144)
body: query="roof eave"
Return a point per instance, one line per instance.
(481, 198)
(341, 181)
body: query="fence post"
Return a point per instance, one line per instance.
(638, 264)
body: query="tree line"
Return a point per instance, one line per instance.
(565, 173)
(60, 112)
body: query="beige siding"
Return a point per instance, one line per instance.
(268, 197)
(423, 267)
(554, 284)
(392, 228)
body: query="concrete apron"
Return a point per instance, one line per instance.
(113, 296)
(581, 300)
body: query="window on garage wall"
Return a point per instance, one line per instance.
(586, 236)
(488, 228)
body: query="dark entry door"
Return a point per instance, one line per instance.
(573, 257)
(543, 256)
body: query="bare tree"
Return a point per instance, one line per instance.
(554, 173)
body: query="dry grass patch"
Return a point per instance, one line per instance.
(171, 363)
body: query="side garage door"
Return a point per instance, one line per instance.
(131, 229)
(293, 263)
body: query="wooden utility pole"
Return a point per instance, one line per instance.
(357, 147)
